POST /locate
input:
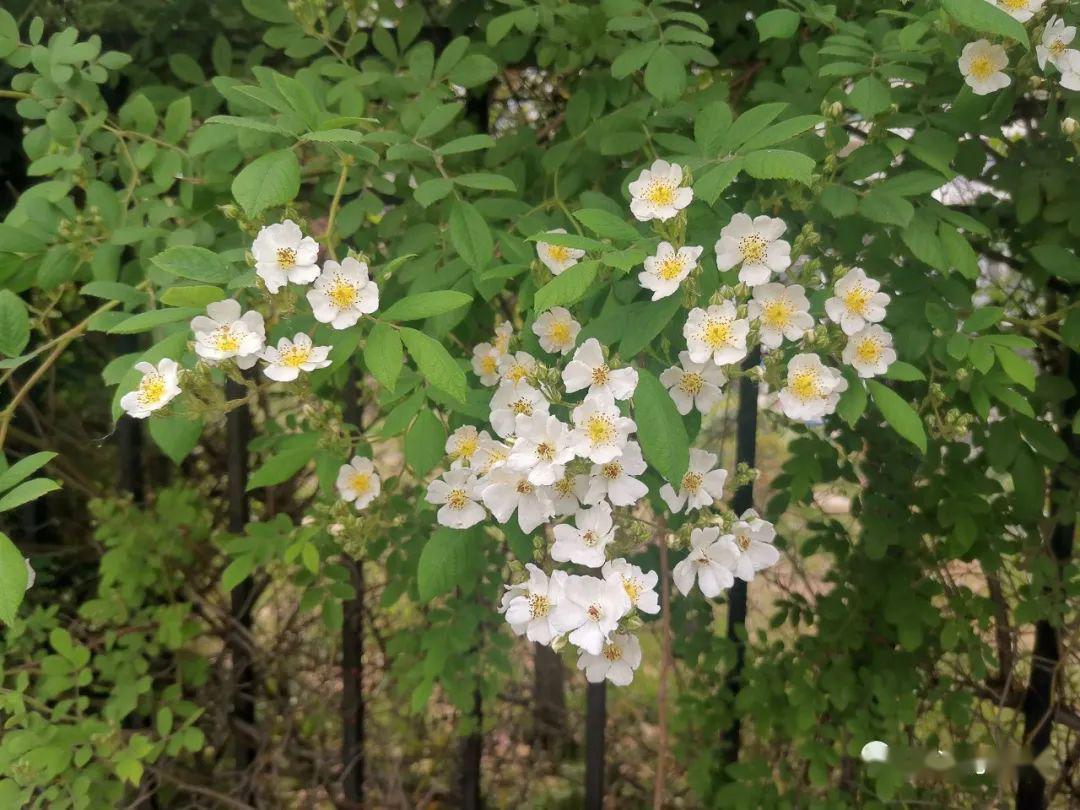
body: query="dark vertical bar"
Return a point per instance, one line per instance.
(595, 720)
(1039, 705)
(745, 452)
(472, 750)
(237, 435)
(352, 646)
(549, 699)
(129, 437)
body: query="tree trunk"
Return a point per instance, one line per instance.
(595, 720)
(549, 700)
(472, 751)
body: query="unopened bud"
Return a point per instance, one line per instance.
(1070, 126)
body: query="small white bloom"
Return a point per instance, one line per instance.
(342, 293)
(283, 254)
(358, 483)
(1056, 38)
(701, 485)
(504, 332)
(557, 330)
(695, 385)
(485, 363)
(512, 401)
(857, 302)
(616, 479)
(615, 662)
(754, 538)
(658, 192)
(490, 455)
(1070, 70)
(505, 490)
(456, 493)
(870, 351)
(756, 245)
(542, 448)
(589, 370)
(982, 65)
(640, 586)
(783, 312)
(665, 271)
(710, 562)
(716, 334)
(812, 389)
(159, 386)
(586, 543)
(31, 574)
(589, 611)
(285, 363)
(516, 368)
(600, 430)
(463, 445)
(565, 494)
(223, 333)
(556, 257)
(530, 605)
(1020, 10)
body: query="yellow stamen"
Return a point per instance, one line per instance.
(660, 193)
(753, 248)
(560, 333)
(151, 389)
(612, 652)
(691, 383)
(776, 313)
(717, 334)
(558, 253)
(342, 293)
(804, 384)
(360, 483)
(286, 258)
(295, 356)
(691, 482)
(600, 429)
(539, 605)
(669, 268)
(457, 499)
(981, 67)
(225, 341)
(868, 351)
(632, 588)
(857, 299)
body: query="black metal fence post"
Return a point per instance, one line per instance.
(472, 751)
(352, 645)
(595, 720)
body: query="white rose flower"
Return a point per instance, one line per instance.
(710, 562)
(586, 543)
(1056, 38)
(716, 334)
(557, 330)
(503, 333)
(342, 293)
(658, 192)
(463, 445)
(982, 65)
(285, 363)
(589, 370)
(1070, 70)
(224, 333)
(542, 448)
(615, 662)
(753, 538)
(456, 493)
(695, 385)
(516, 368)
(756, 245)
(701, 485)
(1020, 10)
(159, 386)
(490, 454)
(812, 389)
(485, 363)
(505, 490)
(556, 257)
(530, 605)
(616, 479)
(565, 500)
(283, 254)
(870, 351)
(857, 302)
(358, 483)
(512, 401)
(600, 430)
(640, 586)
(783, 312)
(665, 270)
(589, 611)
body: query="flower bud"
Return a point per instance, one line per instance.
(1069, 126)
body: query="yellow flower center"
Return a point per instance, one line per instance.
(742, 541)
(660, 193)
(225, 341)
(1015, 5)
(981, 67)
(488, 364)
(522, 407)
(600, 375)
(612, 652)
(502, 342)
(1057, 47)
(857, 299)
(465, 448)
(632, 588)
(590, 538)
(564, 486)
(669, 268)
(691, 382)
(545, 451)
(753, 248)
(594, 612)
(360, 483)
(295, 356)
(804, 384)
(558, 253)
(517, 372)
(524, 487)
(457, 499)
(691, 482)
(286, 258)
(868, 351)
(776, 313)
(539, 605)
(342, 293)
(151, 389)
(560, 332)
(600, 429)
(717, 334)
(611, 470)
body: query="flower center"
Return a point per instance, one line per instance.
(753, 248)
(286, 258)
(600, 429)
(560, 332)
(777, 313)
(151, 389)
(457, 499)
(600, 375)
(360, 482)
(702, 559)
(1015, 5)
(595, 612)
(517, 372)
(691, 482)
(524, 487)
(564, 486)
(611, 470)
(522, 407)
(589, 538)
(545, 451)
(558, 253)
(717, 333)
(742, 541)
(465, 448)
(612, 652)
(1057, 47)
(670, 268)
(632, 588)
(981, 67)
(295, 356)
(857, 299)
(691, 382)
(225, 340)
(342, 293)
(539, 605)
(488, 364)
(660, 193)
(868, 351)
(804, 384)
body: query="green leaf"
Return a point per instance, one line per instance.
(665, 75)
(194, 263)
(438, 119)
(186, 69)
(247, 123)
(780, 23)
(237, 571)
(1057, 260)
(778, 133)
(986, 18)
(14, 324)
(270, 180)
(632, 59)
(711, 185)
(145, 321)
(852, 403)
(467, 143)
(983, 318)
(904, 372)
(779, 164)
(435, 363)
(175, 435)
(383, 355)
(899, 414)
(470, 235)
(425, 443)
(444, 562)
(13, 578)
(424, 305)
(23, 468)
(749, 124)
(486, 181)
(660, 428)
(606, 225)
(113, 291)
(1019, 370)
(473, 70)
(433, 190)
(648, 321)
(570, 240)
(567, 288)
(870, 96)
(887, 209)
(285, 463)
(27, 491)
(192, 295)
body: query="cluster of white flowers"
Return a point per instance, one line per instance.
(983, 63)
